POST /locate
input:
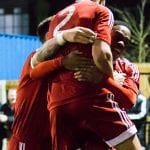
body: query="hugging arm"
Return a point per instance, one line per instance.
(72, 61)
(102, 57)
(42, 61)
(125, 94)
(50, 47)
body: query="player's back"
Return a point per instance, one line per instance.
(31, 114)
(86, 14)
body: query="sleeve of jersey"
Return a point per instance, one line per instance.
(104, 23)
(126, 97)
(45, 68)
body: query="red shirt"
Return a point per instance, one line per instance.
(123, 65)
(31, 114)
(65, 88)
(125, 95)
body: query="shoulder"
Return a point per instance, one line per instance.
(127, 63)
(104, 9)
(105, 14)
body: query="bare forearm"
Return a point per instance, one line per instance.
(102, 57)
(45, 52)
(49, 48)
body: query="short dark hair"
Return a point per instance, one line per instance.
(42, 28)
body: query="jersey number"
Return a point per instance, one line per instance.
(69, 13)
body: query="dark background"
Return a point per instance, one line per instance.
(40, 9)
(56, 5)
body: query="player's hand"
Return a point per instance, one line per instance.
(79, 35)
(75, 60)
(90, 74)
(3, 118)
(119, 77)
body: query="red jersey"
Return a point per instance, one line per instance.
(86, 14)
(123, 65)
(124, 94)
(31, 114)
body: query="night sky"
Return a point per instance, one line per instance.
(56, 5)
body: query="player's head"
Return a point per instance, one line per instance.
(121, 36)
(43, 28)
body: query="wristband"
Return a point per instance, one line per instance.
(59, 38)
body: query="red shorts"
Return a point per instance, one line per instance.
(16, 144)
(101, 116)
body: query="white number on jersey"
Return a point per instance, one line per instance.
(69, 13)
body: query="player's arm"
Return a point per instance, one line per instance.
(102, 57)
(101, 51)
(72, 61)
(46, 51)
(45, 68)
(125, 94)
(49, 48)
